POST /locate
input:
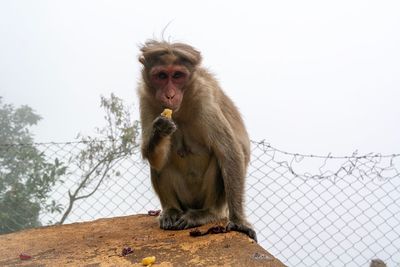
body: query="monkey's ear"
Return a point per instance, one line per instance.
(142, 59)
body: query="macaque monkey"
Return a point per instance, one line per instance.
(198, 157)
(377, 263)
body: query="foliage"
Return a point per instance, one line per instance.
(26, 178)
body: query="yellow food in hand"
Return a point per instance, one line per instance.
(148, 260)
(167, 113)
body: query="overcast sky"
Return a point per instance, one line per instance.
(308, 76)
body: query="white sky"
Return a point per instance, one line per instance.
(308, 76)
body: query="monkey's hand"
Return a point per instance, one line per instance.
(157, 147)
(164, 126)
(243, 228)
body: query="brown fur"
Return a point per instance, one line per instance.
(198, 168)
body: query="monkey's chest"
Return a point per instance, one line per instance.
(190, 162)
(194, 172)
(187, 153)
(195, 179)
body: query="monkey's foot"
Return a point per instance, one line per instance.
(194, 218)
(169, 218)
(185, 222)
(243, 229)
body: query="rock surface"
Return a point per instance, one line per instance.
(101, 242)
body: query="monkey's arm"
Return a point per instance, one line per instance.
(156, 147)
(232, 161)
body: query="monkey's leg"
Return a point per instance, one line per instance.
(193, 218)
(233, 169)
(163, 186)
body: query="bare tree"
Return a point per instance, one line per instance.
(96, 160)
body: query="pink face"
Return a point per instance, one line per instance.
(169, 82)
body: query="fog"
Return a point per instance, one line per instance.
(308, 76)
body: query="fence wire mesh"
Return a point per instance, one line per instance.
(307, 210)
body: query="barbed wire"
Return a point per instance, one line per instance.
(329, 156)
(369, 165)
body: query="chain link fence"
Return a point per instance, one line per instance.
(307, 210)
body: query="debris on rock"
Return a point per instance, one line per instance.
(24, 257)
(126, 251)
(213, 230)
(154, 212)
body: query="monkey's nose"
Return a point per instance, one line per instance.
(169, 97)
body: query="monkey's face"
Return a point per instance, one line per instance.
(169, 82)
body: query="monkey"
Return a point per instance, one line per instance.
(377, 263)
(198, 159)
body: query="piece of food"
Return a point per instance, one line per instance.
(167, 113)
(195, 232)
(148, 260)
(25, 257)
(154, 212)
(218, 229)
(126, 251)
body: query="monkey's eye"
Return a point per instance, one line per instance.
(178, 75)
(162, 76)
